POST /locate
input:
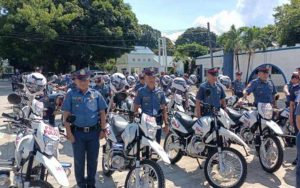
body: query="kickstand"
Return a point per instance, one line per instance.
(199, 163)
(247, 154)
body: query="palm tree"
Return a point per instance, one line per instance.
(252, 38)
(232, 42)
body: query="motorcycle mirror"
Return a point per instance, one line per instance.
(71, 118)
(207, 92)
(14, 98)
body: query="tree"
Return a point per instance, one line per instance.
(149, 37)
(287, 22)
(232, 42)
(197, 35)
(186, 51)
(56, 34)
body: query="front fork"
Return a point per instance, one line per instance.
(219, 146)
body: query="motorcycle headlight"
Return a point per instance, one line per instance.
(50, 146)
(151, 130)
(267, 111)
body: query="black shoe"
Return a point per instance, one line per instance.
(91, 186)
(295, 162)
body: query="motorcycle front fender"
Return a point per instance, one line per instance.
(54, 167)
(157, 148)
(228, 135)
(273, 126)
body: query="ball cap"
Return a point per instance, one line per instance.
(149, 71)
(83, 74)
(264, 69)
(213, 71)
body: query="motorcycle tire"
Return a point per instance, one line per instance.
(155, 167)
(179, 154)
(243, 162)
(106, 172)
(280, 155)
(41, 184)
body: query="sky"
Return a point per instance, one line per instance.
(172, 17)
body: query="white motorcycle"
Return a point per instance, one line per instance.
(257, 128)
(124, 145)
(36, 151)
(204, 138)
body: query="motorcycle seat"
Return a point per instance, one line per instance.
(234, 115)
(185, 120)
(118, 125)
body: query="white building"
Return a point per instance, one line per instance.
(283, 62)
(142, 57)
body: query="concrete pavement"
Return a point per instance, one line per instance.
(185, 174)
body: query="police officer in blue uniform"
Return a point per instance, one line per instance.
(298, 146)
(294, 101)
(262, 88)
(102, 88)
(151, 99)
(238, 85)
(210, 92)
(141, 82)
(89, 107)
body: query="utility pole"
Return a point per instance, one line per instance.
(210, 47)
(162, 51)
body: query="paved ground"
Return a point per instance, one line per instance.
(185, 174)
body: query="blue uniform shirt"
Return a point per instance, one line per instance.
(103, 89)
(263, 91)
(150, 100)
(138, 86)
(85, 107)
(216, 94)
(295, 94)
(238, 86)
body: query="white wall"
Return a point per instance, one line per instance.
(286, 59)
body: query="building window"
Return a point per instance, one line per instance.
(139, 60)
(149, 59)
(133, 59)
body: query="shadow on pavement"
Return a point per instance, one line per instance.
(181, 178)
(66, 149)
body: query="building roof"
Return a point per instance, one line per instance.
(141, 50)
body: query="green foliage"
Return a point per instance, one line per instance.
(287, 21)
(196, 35)
(149, 37)
(192, 50)
(56, 34)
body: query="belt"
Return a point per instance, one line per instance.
(86, 129)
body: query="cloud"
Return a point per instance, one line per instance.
(173, 35)
(246, 13)
(221, 21)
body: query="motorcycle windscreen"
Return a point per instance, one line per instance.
(157, 148)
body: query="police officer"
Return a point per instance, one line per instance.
(102, 88)
(87, 105)
(216, 96)
(238, 86)
(298, 146)
(262, 88)
(141, 82)
(152, 101)
(294, 101)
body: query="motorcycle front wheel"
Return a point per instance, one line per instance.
(105, 164)
(150, 175)
(174, 153)
(231, 172)
(40, 184)
(270, 154)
